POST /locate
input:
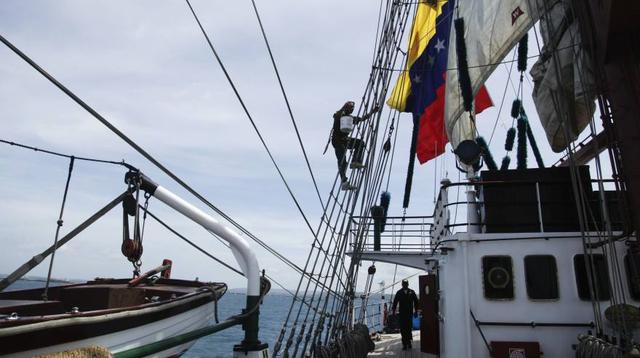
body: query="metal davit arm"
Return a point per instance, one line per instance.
(239, 246)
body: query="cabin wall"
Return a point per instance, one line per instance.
(453, 333)
(568, 308)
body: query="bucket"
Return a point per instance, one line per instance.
(415, 322)
(346, 124)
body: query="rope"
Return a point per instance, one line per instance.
(132, 248)
(146, 155)
(346, 305)
(246, 111)
(286, 100)
(484, 339)
(85, 352)
(326, 258)
(391, 69)
(412, 159)
(166, 226)
(579, 199)
(194, 245)
(534, 146)
(69, 156)
(59, 225)
(504, 95)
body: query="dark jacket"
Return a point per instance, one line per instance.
(407, 300)
(338, 135)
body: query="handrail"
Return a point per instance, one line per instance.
(508, 182)
(409, 233)
(396, 217)
(537, 204)
(534, 324)
(433, 228)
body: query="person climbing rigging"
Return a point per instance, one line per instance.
(408, 301)
(341, 141)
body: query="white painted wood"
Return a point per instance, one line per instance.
(138, 336)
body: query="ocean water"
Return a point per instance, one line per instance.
(272, 315)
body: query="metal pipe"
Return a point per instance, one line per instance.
(534, 324)
(240, 248)
(539, 201)
(473, 217)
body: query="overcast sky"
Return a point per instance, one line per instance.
(144, 66)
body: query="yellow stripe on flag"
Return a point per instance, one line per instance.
(424, 27)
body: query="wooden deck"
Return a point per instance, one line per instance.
(390, 345)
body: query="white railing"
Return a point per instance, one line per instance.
(400, 234)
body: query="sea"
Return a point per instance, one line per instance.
(273, 312)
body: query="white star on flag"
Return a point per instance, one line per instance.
(431, 60)
(439, 45)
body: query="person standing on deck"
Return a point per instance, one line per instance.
(408, 301)
(341, 141)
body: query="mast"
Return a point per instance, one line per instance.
(611, 31)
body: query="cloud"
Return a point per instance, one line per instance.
(145, 66)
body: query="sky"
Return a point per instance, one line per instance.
(145, 66)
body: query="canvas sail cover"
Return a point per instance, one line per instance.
(563, 78)
(492, 29)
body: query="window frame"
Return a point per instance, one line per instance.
(627, 272)
(513, 281)
(557, 278)
(575, 277)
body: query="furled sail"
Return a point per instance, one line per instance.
(492, 29)
(565, 91)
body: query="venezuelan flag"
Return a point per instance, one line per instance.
(420, 88)
(422, 31)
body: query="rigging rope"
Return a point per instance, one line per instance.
(392, 69)
(69, 156)
(206, 253)
(504, 95)
(59, 225)
(286, 100)
(246, 111)
(343, 320)
(578, 191)
(145, 154)
(305, 333)
(625, 332)
(412, 159)
(173, 231)
(132, 248)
